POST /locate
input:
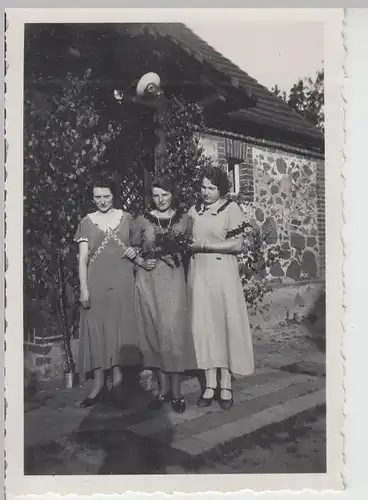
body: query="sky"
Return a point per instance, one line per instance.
(272, 53)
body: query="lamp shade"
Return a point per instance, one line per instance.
(149, 85)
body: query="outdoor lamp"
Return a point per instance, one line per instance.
(149, 86)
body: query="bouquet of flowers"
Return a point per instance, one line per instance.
(170, 247)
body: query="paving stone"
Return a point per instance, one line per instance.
(260, 419)
(261, 377)
(193, 446)
(191, 396)
(190, 386)
(317, 357)
(306, 367)
(46, 424)
(110, 424)
(195, 419)
(31, 405)
(273, 385)
(247, 408)
(169, 435)
(150, 426)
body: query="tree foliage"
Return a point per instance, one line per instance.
(307, 98)
(256, 257)
(184, 159)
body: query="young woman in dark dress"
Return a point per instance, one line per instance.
(161, 297)
(108, 321)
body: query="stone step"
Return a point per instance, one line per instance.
(202, 442)
(271, 392)
(130, 417)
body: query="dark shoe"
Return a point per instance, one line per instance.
(178, 405)
(157, 402)
(226, 404)
(99, 398)
(204, 402)
(117, 397)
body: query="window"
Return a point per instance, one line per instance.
(233, 173)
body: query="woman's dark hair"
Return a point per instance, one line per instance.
(218, 177)
(166, 183)
(106, 182)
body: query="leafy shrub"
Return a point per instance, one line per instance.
(64, 148)
(183, 158)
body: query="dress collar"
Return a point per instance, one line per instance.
(114, 221)
(213, 209)
(154, 218)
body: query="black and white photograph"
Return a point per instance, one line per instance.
(175, 272)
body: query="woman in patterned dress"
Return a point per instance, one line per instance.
(219, 318)
(108, 322)
(161, 298)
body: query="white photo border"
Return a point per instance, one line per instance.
(19, 484)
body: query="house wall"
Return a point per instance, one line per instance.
(284, 195)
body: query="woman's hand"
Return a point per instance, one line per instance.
(84, 298)
(130, 253)
(149, 264)
(171, 261)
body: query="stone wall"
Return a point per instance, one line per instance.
(42, 363)
(285, 207)
(287, 202)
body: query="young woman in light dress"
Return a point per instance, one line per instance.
(219, 318)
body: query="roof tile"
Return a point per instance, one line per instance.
(269, 110)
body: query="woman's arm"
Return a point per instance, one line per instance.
(82, 267)
(233, 244)
(83, 259)
(229, 246)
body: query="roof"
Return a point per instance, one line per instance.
(269, 111)
(250, 110)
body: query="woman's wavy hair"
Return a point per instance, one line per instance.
(218, 177)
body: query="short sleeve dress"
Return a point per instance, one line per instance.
(108, 330)
(161, 299)
(219, 318)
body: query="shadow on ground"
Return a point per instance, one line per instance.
(295, 446)
(103, 444)
(316, 321)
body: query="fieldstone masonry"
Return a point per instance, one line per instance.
(287, 195)
(42, 362)
(285, 203)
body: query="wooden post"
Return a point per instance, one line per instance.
(158, 107)
(146, 185)
(161, 149)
